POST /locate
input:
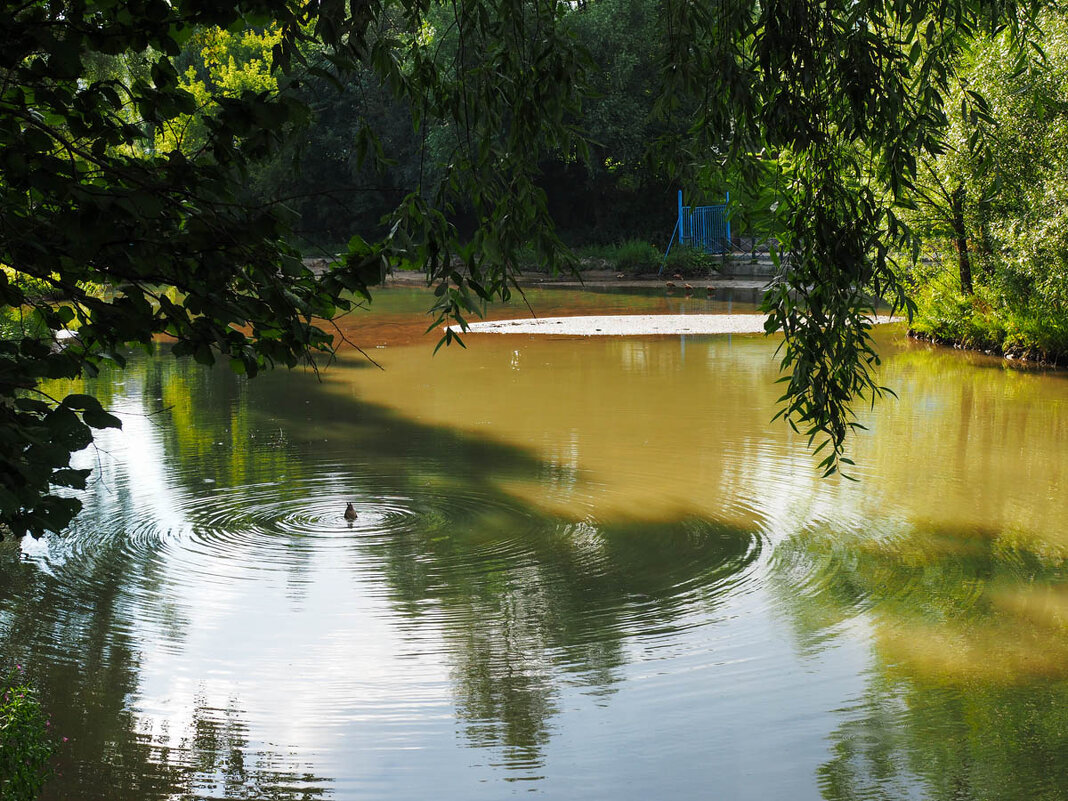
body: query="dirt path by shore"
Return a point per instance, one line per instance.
(607, 278)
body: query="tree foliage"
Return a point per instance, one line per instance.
(26, 747)
(227, 64)
(1007, 161)
(852, 95)
(97, 225)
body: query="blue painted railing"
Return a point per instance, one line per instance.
(704, 227)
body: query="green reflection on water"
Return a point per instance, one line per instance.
(76, 643)
(957, 568)
(968, 690)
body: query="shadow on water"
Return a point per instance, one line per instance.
(967, 695)
(526, 602)
(215, 498)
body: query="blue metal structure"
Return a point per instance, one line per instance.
(704, 227)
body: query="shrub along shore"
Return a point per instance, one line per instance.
(1035, 334)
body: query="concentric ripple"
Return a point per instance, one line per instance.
(448, 605)
(247, 529)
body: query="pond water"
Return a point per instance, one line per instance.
(580, 569)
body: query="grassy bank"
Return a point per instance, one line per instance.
(632, 256)
(638, 256)
(989, 322)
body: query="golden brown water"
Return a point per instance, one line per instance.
(972, 458)
(654, 428)
(583, 568)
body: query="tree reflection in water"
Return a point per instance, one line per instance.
(78, 645)
(561, 614)
(967, 697)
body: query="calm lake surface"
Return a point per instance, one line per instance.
(582, 569)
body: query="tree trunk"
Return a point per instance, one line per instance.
(960, 239)
(986, 246)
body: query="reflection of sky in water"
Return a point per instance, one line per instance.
(330, 678)
(594, 567)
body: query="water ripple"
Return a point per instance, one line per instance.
(447, 605)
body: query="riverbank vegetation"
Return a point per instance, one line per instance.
(991, 209)
(174, 154)
(26, 744)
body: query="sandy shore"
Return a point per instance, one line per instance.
(630, 325)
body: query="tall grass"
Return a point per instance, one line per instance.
(990, 319)
(26, 745)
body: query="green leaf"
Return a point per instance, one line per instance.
(70, 478)
(82, 402)
(32, 405)
(97, 418)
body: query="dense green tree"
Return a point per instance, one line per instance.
(622, 189)
(336, 180)
(225, 64)
(996, 194)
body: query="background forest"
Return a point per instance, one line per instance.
(989, 216)
(617, 190)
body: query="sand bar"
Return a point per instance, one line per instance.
(630, 325)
